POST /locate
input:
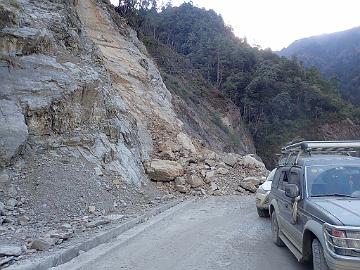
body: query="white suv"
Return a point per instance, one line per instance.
(262, 196)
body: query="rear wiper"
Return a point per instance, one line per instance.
(334, 195)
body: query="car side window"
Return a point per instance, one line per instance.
(284, 180)
(276, 179)
(294, 178)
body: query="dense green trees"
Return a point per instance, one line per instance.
(278, 97)
(336, 56)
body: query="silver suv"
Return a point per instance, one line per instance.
(315, 204)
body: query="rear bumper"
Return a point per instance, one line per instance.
(338, 262)
(262, 200)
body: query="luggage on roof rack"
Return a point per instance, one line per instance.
(291, 153)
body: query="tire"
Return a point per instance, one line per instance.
(275, 230)
(318, 256)
(263, 212)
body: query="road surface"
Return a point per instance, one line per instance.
(216, 233)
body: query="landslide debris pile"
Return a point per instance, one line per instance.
(182, 168)
(85, 123)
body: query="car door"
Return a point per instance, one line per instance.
(281, 198)
(296, 222)
(286, 210)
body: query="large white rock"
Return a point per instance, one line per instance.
(13, 130)
(164, 170)
(250, 183)
(186, 142)
(250, 161)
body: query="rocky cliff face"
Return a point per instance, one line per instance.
(77, 82)
(61, 93)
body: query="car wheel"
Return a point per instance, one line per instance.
(275, 230)
(318, 256)
(262, 212)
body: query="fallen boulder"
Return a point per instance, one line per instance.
(181, 188)
(195, 181)
(250, 184)
(250, 161)
(164, 170)
(6, 250)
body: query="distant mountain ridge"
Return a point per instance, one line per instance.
(335, 55)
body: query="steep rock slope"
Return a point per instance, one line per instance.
(207, 114)
(71, 150)
(54, 75)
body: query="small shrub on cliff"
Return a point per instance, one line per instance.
(14, 3)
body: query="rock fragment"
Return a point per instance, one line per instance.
(24, 220)
(12, 202)
(7, 250)
(195, 181)
(96, 223)
(98, 171)
(222, 171)
(230, 159)
(41, 244)
(181, 188)
(2, 209)
(6, 260)
(186, 142)
(91, 209)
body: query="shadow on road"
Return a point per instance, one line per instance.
(280, 253)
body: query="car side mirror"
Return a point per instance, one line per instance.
(292, 191)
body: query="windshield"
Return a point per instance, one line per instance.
(333, 180)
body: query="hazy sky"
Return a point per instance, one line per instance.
(277, 23)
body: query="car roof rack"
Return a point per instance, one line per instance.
(291, 153)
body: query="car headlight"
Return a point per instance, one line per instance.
(353, 239)
(342, 240)
(261, 190)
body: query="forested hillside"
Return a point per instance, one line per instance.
(279, 98)
(336, 56)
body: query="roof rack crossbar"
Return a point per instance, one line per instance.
(318, 147)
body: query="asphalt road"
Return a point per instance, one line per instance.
(216, 233)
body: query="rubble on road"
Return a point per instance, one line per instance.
(205, 172)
